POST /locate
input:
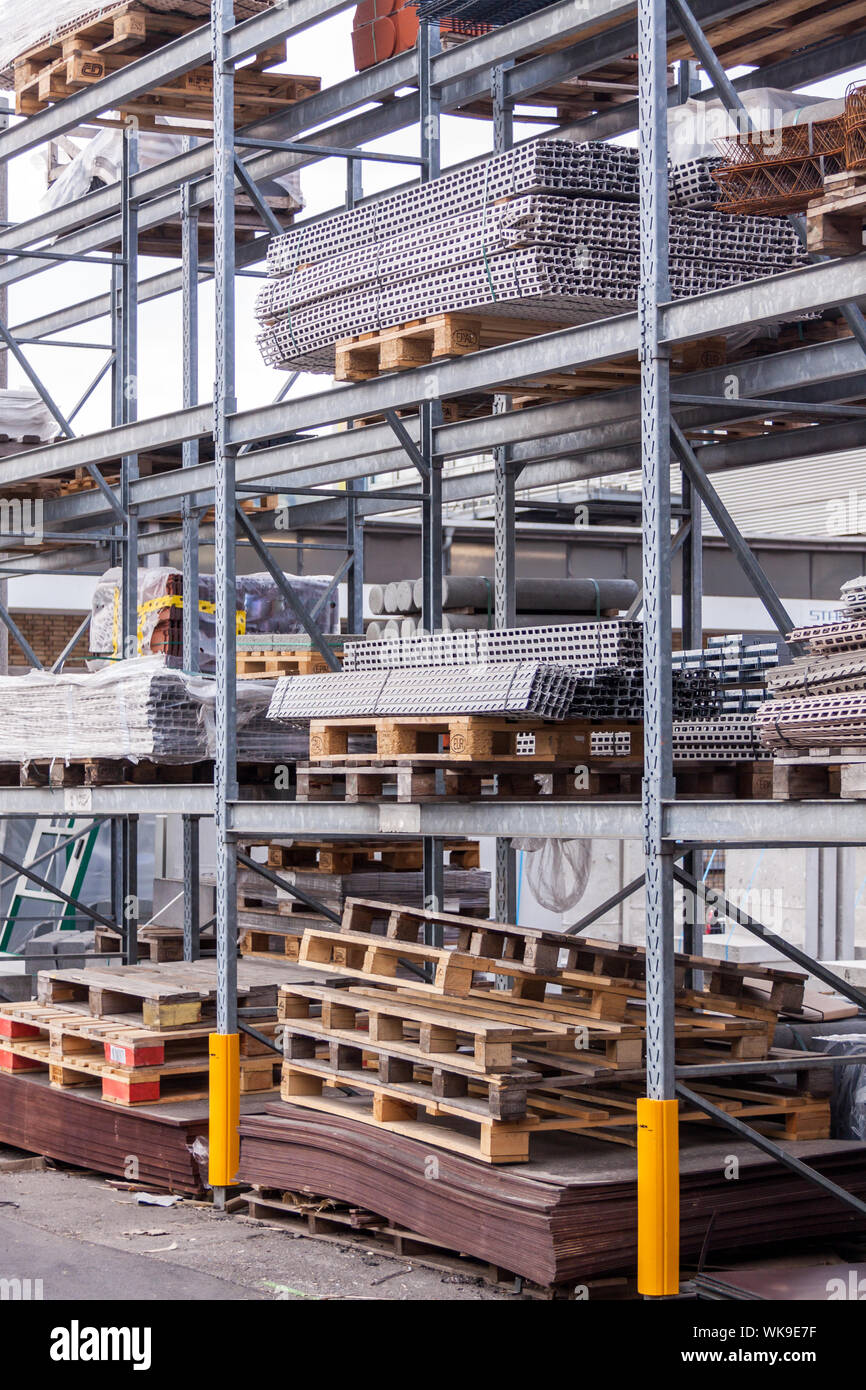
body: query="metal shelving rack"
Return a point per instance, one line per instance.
(270, 448)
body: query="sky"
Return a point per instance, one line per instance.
(325, 51)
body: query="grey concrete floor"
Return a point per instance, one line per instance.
(86, 1240)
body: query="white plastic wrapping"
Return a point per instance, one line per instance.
(98, 161)
(129, 709)
(261, 608)
(23, 26)
(557, 871)
(24, 415)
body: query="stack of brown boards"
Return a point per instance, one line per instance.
(568, 1215)
(161, 1146)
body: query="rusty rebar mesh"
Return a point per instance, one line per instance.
(855, 126)
(781, 170)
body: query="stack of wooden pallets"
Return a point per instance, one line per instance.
(420, 1030)
(138, 1034)
(272, 920)
(103, 40)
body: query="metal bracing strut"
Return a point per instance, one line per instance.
(741, 549)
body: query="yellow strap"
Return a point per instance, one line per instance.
(153, 605)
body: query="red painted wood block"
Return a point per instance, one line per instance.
(10, 1061)
(118, 1088)
(12, 1028)
(135, 1055)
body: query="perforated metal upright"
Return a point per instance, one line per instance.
(658, 1179)
(505, 536)
(224, 1047)
(189, 223)
(430, 418)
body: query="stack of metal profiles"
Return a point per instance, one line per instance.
(130, 710)
(548, 231)
(726, 738)
(820, 697)
(854, 597)
(618, 642)
(740, 667)
(514, 688)
(603, 658)
(691, 184)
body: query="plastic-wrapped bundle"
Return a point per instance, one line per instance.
(138, 709)
(24, 416)
(98, 162)
(261, 608)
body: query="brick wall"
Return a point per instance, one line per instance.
(48, 634)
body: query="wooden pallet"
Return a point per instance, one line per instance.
(834, 222)
(156, 944)
(379, 960)
(270, 665)
(162, 996)
(111, 772)
(478, 738)
(326, 1219)
(346, 857)
(421, 341)
(417, 342)
(186, 1079)
(600, 1114)
(603, 974)
(259, 944)
(133, 1066)
(605, 1043)
(431, 1033)
(95, 48)
(821, 774)
(405, 783)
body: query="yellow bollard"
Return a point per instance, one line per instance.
(658, 1198)
(225, 1087)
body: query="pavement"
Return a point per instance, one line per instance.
(87, 1240)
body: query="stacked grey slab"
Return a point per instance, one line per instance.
(548, 231)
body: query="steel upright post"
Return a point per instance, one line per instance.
(224, 1052)
(127, 388)
(128, 381)
(354, 515)
(504, 539)
(189, 523)
(693, 637)
(430, 416)
(658, 1179)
